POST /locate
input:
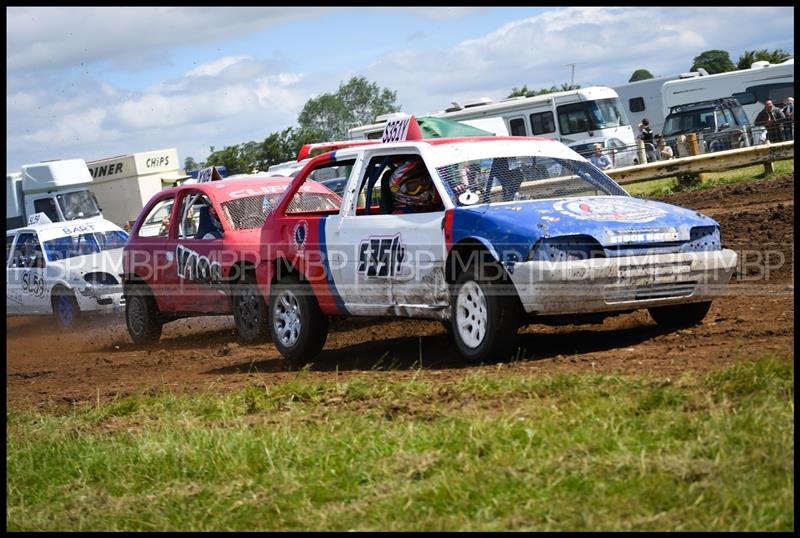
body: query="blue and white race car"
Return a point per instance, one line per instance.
(486, 234)
(64, 268)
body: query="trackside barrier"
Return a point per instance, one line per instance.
(718, 161)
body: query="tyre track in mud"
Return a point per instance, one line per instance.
(756, 316)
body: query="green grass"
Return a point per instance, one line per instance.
(493, 451)
(668, 185)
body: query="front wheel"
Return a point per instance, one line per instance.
(65, 309)
(680, 315)
(141, 316)
(299, 328)
(485, 316)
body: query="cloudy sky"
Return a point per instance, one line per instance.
(98, 82)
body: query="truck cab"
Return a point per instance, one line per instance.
(59, 189)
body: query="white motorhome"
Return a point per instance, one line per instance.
(751, 87)
(568, 116)
(59, 189)
(643, 99)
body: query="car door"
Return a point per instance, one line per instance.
(14, 297)
(385, 260)
(151, 255)
(28, 289)
(198, 255)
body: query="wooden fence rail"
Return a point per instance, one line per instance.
(764, 154)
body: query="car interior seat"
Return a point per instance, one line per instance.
(204, 224)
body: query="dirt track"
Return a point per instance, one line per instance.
(47, 367)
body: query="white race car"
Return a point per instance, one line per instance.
(64, 269)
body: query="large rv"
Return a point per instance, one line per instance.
(570, 116)
(643, 98)
(751, 87)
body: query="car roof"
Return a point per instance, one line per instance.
(52, 230)
(47, 226)
(222, 189)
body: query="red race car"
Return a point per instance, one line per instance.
(194, 249)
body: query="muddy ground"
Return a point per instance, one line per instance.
(45, 367)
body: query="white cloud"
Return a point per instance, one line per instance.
(607, 44)
(47, 38)
(215, 67)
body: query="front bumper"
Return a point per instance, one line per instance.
(623, 283)
(101, 297)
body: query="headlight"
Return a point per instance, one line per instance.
(566, 248)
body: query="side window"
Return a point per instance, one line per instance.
(401, 184)
(517, 126)
(572, 118)
(745, 98)
(27, 251)
(48, 207)
(199, 219)
(543, 123)
(317, 193)
(156, 224)
(9, 244)
(636, 104)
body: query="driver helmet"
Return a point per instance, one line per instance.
(411, 185)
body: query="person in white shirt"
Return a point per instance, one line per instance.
(599, 159)
(664, 151)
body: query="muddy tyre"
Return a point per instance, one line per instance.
(66, 311)
(250, 311)
(485, 316)
(680, 315)
(299, 329)
(141, 315)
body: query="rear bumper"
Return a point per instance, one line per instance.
(609, 284)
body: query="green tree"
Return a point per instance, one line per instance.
(774, 57)
(640, 74)
(356, 102)
(525, 92)
(713, 61)
(284, 145)
(228, 157)
(520, 92)
(190, 164)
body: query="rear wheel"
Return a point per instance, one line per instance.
(250, 311)
(485, 315)
(680, 315)
(66, 311)
(141, 315)
(299, 328)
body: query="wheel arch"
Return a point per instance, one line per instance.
(461, 254)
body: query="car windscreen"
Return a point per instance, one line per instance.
(251, 211)
(78, 205)
(69, 246)
(524, 178)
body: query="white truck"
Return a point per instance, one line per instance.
(59, 189)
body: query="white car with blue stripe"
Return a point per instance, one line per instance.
(64, 269)
(513, 230)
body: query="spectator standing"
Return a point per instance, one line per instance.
(646, 135)
(788, 111)
(771, 118)
(599, 159)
